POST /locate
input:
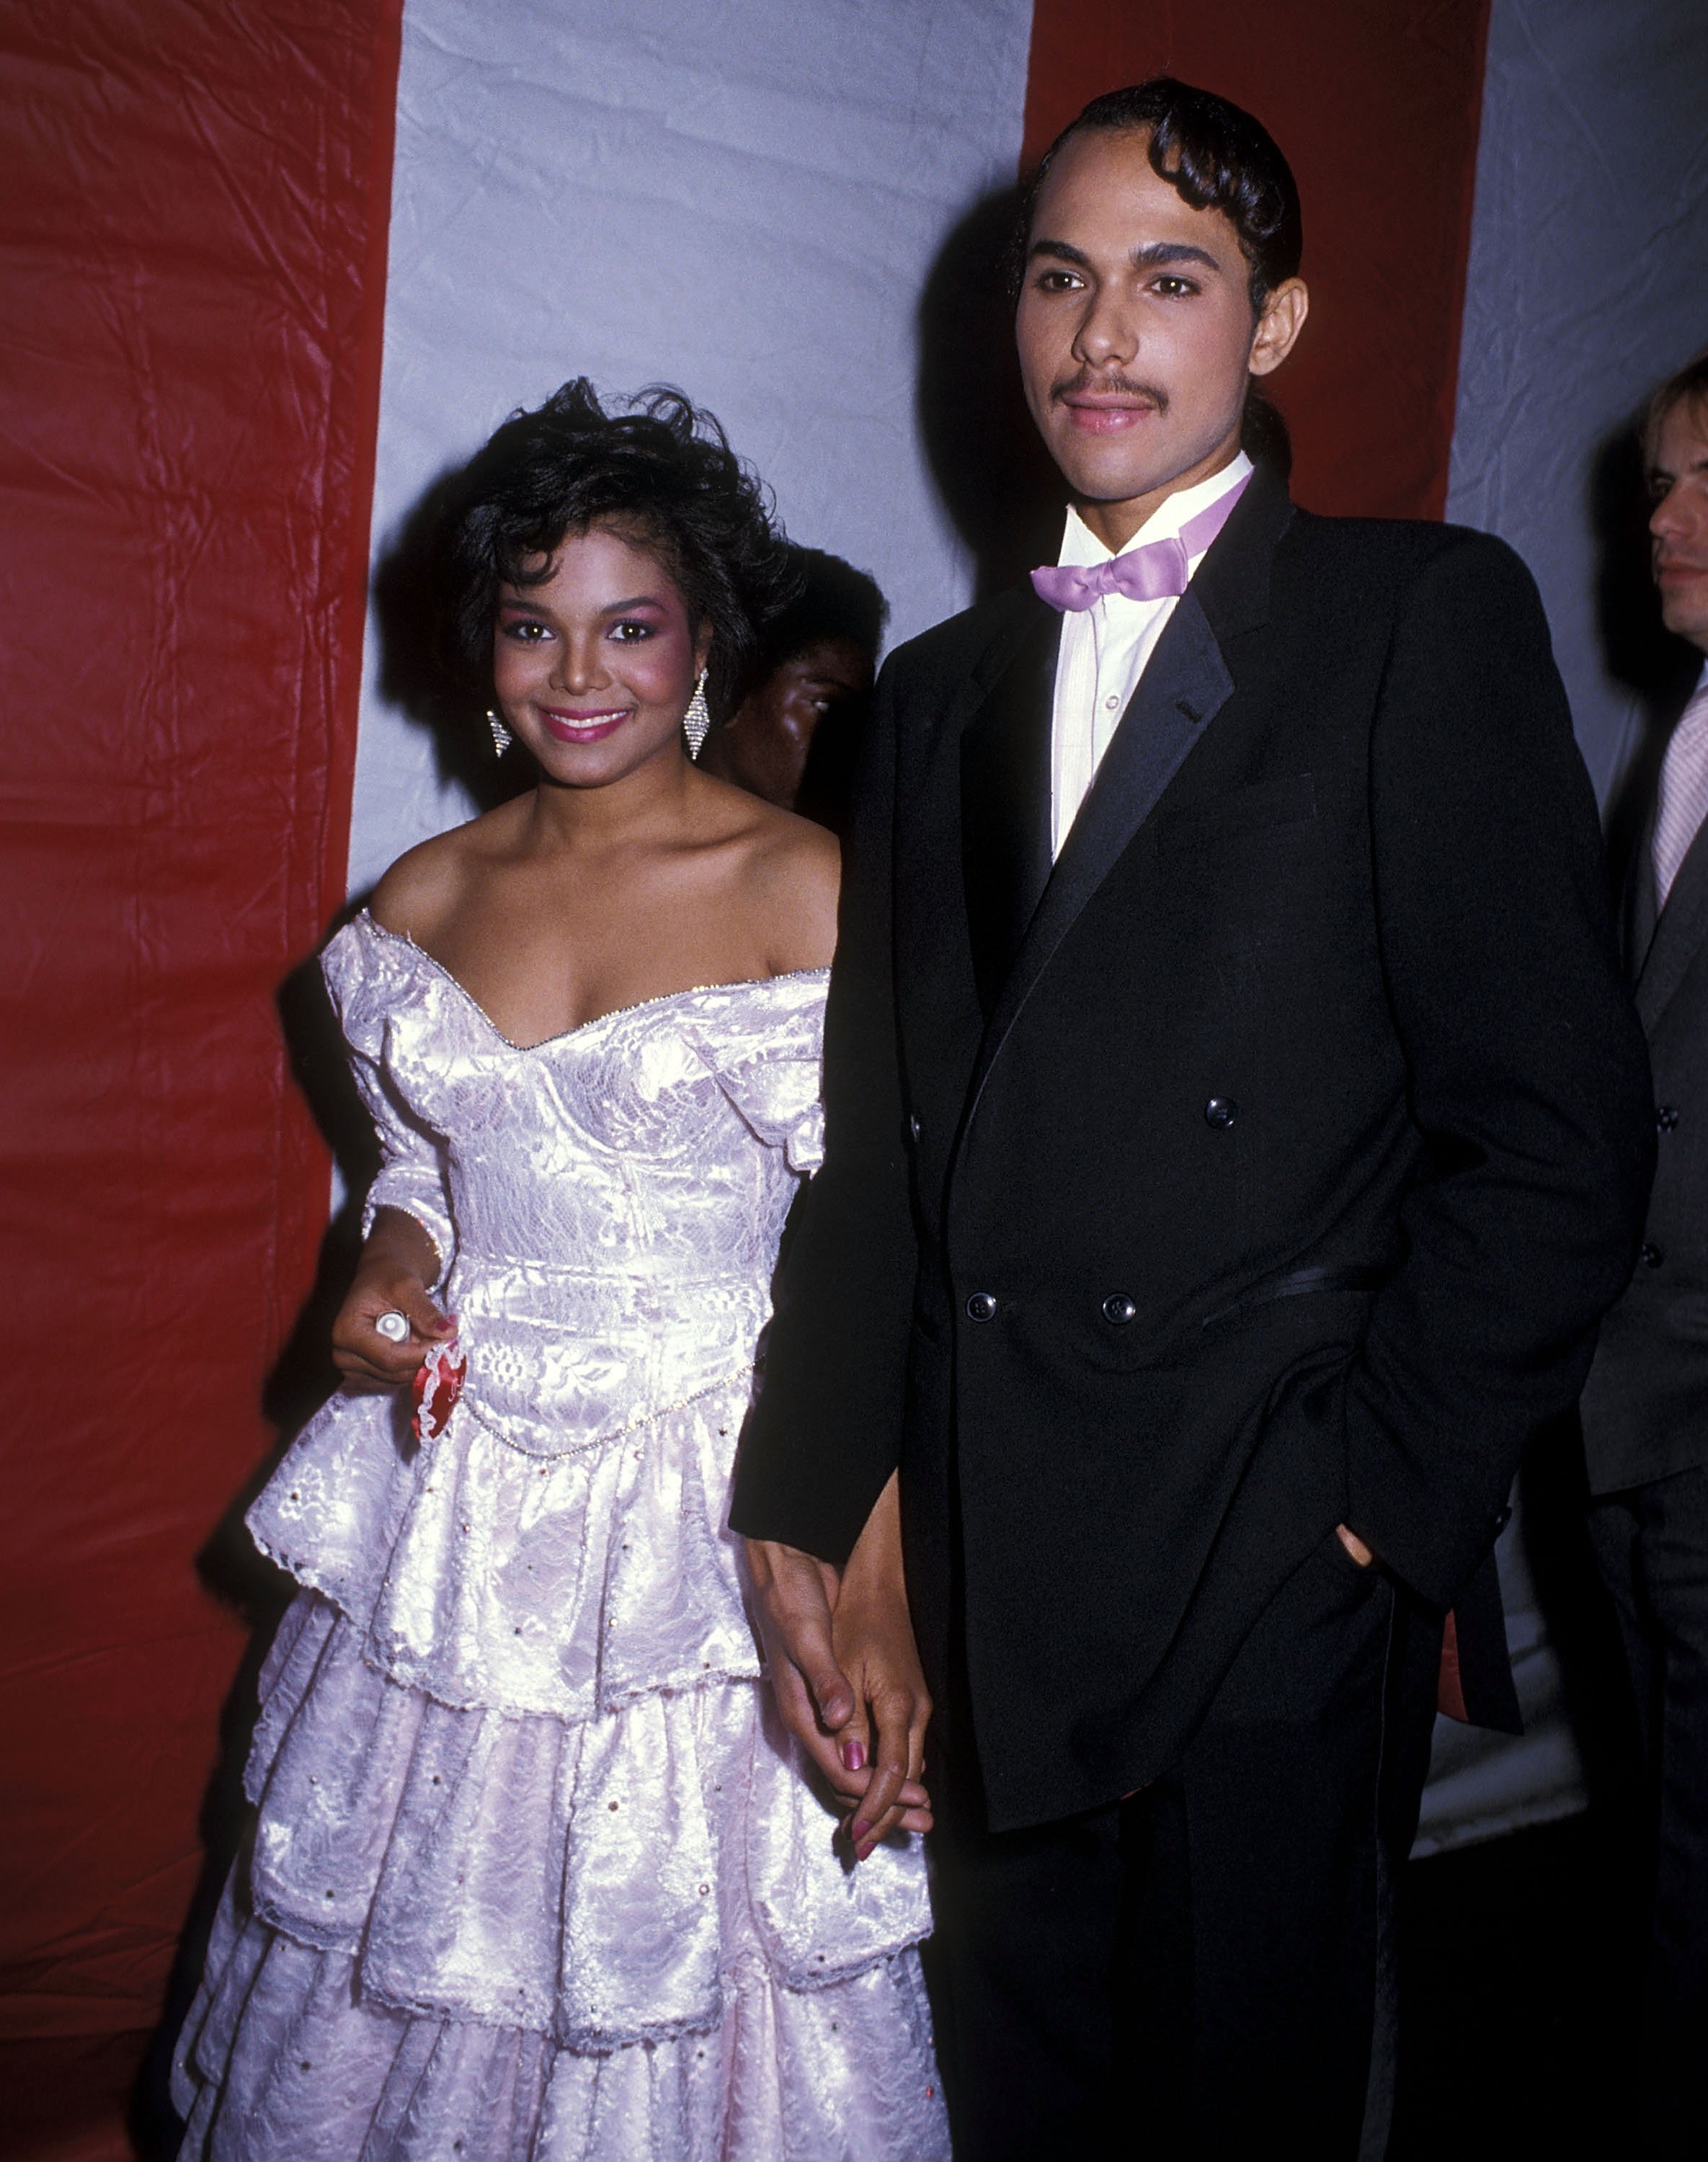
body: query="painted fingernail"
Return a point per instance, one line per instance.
(854, 1756)
(857, 1831)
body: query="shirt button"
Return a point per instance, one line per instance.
(1118, 1309)
(1221, 1112)
(1651, 1256)
(1109, 704)
(981, 1306)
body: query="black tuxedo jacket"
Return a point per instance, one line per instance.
(1645, 1410)
(1268, 1162)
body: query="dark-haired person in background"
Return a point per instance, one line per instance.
(1645, 1410)
(533, 1876)
(793, 733)
(1236, 1130)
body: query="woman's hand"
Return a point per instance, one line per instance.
(793, 1593)
(839, 1653)
(881, 1747)
(398, 1262)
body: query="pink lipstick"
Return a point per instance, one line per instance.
(569, 726)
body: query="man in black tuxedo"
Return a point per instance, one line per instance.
(1236, 1130)
(1645, 1411)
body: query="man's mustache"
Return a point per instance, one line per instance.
(1123, 386)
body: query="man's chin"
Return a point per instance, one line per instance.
(1685, 618)
(1113, 479)
(1124, 469)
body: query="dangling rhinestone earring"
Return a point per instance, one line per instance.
(501, 737)
(697, 718)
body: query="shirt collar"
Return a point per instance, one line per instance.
(1081, 547)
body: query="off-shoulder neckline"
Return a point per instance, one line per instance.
(598, 1020)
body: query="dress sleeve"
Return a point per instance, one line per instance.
(776, 1079)
(412, 1175)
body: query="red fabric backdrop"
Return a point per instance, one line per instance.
(192, 236)
(1376, 108)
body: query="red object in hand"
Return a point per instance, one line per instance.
(438, 1383)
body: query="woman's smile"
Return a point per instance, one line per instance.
(571, 724)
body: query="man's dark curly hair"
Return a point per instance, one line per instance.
(1215, 156)
(658, 469)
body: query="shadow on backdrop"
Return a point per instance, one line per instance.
(996, 480)
(416, 674)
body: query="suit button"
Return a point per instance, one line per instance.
(1220, 1112)
(1118, 1309)
(981, 1306)
(1651, 1256)
(913, 1128)
(1665, 1118)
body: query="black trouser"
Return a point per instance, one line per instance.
(1202, 1970)
(1652, 1544)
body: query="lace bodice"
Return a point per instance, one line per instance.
(607, 1202)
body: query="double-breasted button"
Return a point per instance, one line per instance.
(1666, 1117)
(981, 1306)
(913, 1127)
(1118, 1309)
(1221, 1112)
(1651, 1256)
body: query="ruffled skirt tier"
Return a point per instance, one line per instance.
(534, 1874)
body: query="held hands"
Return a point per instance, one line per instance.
(391, 1277)
(846, 1675)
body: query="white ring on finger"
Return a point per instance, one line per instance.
(394, 1327)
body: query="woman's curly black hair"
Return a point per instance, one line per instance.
(660, 469)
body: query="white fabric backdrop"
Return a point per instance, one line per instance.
(741, 198)
(1588, 282)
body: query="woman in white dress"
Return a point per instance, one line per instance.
(534, 1875)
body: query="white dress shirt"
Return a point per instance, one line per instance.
(1682, 802)
(1105, 648)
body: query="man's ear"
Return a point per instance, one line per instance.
(1278, 327)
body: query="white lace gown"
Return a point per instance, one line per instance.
(535, 1875)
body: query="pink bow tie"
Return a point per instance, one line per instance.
(1159, 571)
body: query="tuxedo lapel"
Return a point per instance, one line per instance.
(1187, 683)
(1005, 782)
(1678, 931)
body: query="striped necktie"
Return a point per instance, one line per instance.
(1683, 801)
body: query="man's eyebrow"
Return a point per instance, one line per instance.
(1174, 251)
(1147, 256)
(1060, 251)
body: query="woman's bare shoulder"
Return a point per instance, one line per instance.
(427, 885)
(797, 871)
